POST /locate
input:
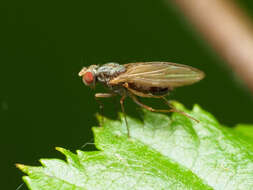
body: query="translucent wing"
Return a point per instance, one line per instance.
(159, 74)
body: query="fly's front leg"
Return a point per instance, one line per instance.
(104, 95)
(101, 106)
(124, 113)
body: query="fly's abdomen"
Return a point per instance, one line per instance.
(156, 91)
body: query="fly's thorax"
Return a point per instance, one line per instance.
(108, 71)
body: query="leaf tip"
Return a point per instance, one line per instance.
(196, 108)
(64, 151)
(99, 118)
(22, 167)
(177, 105)
(97, 129)
(60, 149)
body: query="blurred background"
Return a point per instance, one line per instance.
(44, 44)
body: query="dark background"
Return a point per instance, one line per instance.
(44, 104)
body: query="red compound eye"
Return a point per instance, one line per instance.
(88, 78)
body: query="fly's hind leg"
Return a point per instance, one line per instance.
(173, 109)
(160, 110)
(101, 106)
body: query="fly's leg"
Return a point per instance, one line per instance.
(101, 106)
(160, 110)
(124, 113)
(173, 109)
(148, 107)
(104, 95)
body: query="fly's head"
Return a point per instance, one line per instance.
(89, 75)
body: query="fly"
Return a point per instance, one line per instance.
(143, 79)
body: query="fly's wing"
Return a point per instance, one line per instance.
(159, 74)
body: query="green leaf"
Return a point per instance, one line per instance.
(245, 131)
(162, 153)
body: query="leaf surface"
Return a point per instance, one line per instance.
(162, 153)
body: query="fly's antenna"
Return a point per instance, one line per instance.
(82, 72)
